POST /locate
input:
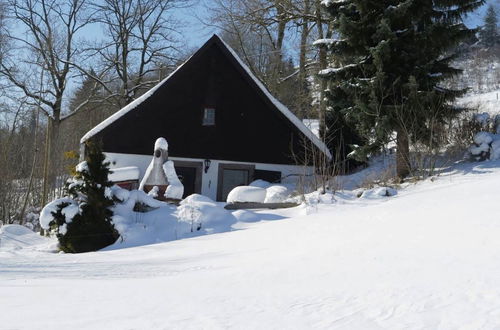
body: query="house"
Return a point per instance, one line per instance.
(223, 127)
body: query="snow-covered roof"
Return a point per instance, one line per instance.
(280, 106)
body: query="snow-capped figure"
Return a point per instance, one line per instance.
(160, 175)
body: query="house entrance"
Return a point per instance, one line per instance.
(189, 174)
(233, 175)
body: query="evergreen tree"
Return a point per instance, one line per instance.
(386, 67)
(489, 32)
(88, 227)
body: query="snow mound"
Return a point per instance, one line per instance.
(379, 192)
(276, 194)
(260, 184)
(16, 237)
(203, 214)
(247, 194)
(486, 147)
(161, 222)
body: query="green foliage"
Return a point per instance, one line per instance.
(91, 228)
(389, 60)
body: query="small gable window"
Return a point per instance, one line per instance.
(209, 117)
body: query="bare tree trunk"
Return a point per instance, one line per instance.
(302, 62)
(32, 174)
(402, 153)
(322, 65)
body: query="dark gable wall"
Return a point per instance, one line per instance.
(248, 127)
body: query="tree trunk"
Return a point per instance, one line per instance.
(402, 153)
(302, 102)
(322, 65)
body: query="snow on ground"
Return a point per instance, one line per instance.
(484, 102)
(427, 258)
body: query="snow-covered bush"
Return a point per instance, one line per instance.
(82, 221)
(202, 213)
(486, 146)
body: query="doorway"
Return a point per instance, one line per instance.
(233, 175)
(189, 173)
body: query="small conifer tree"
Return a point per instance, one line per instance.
(489, 32)
(90, 228)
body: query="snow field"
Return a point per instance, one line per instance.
(427, 258)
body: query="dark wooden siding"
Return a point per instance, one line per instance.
(248, 127)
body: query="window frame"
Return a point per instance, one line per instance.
(208, 114)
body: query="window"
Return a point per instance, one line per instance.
(209, 117)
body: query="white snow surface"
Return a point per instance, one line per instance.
(247, 194)
(427, 258)
(161, 143)
(124, 174)
(276, 194)
(46, 215)
(485, 102)
(175, 188)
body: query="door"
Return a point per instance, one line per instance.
(231, 176)
(189, 173)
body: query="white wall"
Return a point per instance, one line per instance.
(209, 179)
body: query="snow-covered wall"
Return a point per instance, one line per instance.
(209, 179)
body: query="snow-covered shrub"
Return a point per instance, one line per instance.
(486, 146)
(82, 221)
(204, 214)
(379, 192)
(247, 194)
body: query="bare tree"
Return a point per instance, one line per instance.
(139, 38)
(42, 43)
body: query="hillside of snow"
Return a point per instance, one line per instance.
(427, 258)
(484, 102)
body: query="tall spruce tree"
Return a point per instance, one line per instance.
(489, 32)
(387, 65)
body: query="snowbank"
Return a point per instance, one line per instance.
(259, 191)
(247, 194)
(161, 222)
(204, 214)
(379, 192)
(276, 194)
(17, 238)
